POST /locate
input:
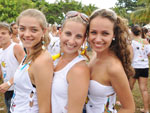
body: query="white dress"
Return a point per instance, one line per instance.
(101, 98)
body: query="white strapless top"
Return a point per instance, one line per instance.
(101, 98)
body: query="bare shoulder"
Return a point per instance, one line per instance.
(43, 60)
(115, 68)
(18, 48)
(80, 70)
(80, 66)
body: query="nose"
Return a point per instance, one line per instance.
(98, 38)
(26, 33)
(71, 40)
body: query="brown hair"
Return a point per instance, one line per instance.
(4, 25)
(136, 30)
(120, 45)
(43, 23)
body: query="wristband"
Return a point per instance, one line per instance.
(9, 84)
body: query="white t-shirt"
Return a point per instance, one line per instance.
(140, 52)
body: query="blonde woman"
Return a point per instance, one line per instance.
(33, 78)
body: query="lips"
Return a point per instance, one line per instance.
(70, 46)
(27, 40)
(98, 45)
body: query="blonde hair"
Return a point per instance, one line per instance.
(75, 19)
(43, 23)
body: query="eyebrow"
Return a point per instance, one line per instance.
(30, 26)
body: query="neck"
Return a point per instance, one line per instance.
(137, 37)
(69, 57)
(5, 46)
(14, 36)
(104, 54)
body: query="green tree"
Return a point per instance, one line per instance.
(124, 7)
(10, 9)
(142, 14)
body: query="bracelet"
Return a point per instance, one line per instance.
(9, 84)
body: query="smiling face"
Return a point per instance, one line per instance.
(30, 31)
(72, 37)
(101, 34)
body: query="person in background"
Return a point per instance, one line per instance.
(141, 51)
(14, 32)
(71, 74)
(111, 65)
(10, 57)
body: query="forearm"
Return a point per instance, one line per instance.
(123, 110)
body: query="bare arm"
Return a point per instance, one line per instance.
(19, 53)
(42, 71)
(78, 80)
(120, 84)
(4, 86)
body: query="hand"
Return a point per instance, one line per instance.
(4, 87)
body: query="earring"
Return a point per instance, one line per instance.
(43, 47)
(113, 39)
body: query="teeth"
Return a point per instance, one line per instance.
(70, 46)
(99, 45)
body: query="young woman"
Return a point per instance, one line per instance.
(71, 76)
(33, 78)
(111, 64)
(140, 62)
(14, 32)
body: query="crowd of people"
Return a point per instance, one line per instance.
(46, 69)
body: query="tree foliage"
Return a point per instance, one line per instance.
(10, 9)
(142, 14)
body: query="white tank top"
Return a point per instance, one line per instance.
(24, 99)
(101, 98)
(60, 87)
(9, 63)
(140, 58)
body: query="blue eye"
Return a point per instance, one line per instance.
(21, 29)
(79, 36)
(68, 33)
(34, 30)
(93, 32)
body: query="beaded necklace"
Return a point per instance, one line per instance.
(25, 64)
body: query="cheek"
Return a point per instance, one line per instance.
(20, 34)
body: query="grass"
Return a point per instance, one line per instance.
(2, 104)
(136, 94)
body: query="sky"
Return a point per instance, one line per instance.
(97, 3)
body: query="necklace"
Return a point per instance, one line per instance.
(25, 64)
